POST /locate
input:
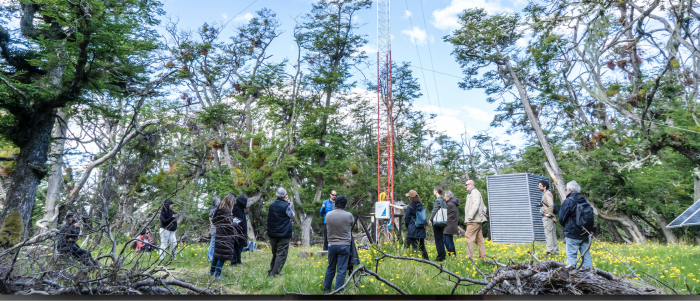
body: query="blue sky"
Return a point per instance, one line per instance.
(456, 108)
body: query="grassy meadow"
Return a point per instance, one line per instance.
(668, 263)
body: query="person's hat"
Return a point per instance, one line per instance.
(412, 194)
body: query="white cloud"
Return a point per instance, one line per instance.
(407, 14)
(522, 42)
(225, 16)
(451, 125)
(432, 109)
(446, 18)
(478, 114)
(244, 18)
(368, 48)
(417, 35)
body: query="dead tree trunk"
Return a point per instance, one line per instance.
(55, 183)
(668, 233)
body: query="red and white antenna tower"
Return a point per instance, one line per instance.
(385, 122)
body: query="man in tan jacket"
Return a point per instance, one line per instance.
(475, 215)
(548, 218)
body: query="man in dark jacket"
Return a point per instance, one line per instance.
(339, 223)
(168, 225)
(416, 235)
(279, 229)
(67, 236)
(241, 226)
(577, 240)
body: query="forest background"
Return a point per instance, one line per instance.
(110, 107)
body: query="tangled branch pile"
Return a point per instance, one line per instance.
(556, 278)
(540, 278)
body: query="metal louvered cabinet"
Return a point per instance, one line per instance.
(514, 212)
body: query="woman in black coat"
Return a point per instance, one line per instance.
(226, 234)
(452, 227)
(241, 227)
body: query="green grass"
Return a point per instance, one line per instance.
(668, 263)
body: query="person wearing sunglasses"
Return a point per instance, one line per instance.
(328, 206)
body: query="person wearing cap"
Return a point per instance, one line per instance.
(328, 206)
(475, 216)
(415, 234)
(340, 241)
(168, 225)
(279, 229)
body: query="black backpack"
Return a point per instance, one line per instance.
(584, 216)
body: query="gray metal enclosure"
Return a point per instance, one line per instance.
(514, 214)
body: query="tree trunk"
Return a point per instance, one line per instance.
(696, 177)
(627, 223)
(305, 218)
(557, 177)
(30, 167)
(55, 183)
(251, 230)
(613, 229)
(668, 233)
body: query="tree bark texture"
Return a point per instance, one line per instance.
(34, 153)
(55, 184)
(668, 233)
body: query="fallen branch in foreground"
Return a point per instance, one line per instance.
(361, 271)
(556, 278)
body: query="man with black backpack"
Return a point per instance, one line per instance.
(576, 215)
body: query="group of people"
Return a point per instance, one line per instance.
(444, 219)
(229, 231)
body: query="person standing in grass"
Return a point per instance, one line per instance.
(548, 219)
(279, 229)
(241, 226)
(226, 234)
(415, 223)
(215, 202)
(438, 229)
(577, 240)
(325, 209)
(168, 225)
(475, 216)
(452, 220)
(339, 223)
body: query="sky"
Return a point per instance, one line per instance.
(417, 27)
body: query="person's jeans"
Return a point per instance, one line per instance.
(216, 266)
(167, 238)
(439, 243)
(338, 257)
(279, 248)
(325, 237)
(450, 244)
(419, 244)
(210, 253)
(573, 247)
